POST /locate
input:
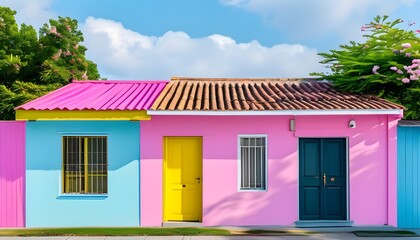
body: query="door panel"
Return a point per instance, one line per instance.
(322, 179)
(311, 203)
(183, 173)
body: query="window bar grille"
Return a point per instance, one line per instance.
(85, 165)
(261, 164)
(102, 166)
(249, 163)
(255, 163)
(79, 159)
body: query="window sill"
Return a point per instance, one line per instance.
(253, 190)
(83, 196)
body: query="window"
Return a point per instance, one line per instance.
(253, 162)
(85, 165)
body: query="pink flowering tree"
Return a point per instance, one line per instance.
(387, 64)
(63, 55)
(32, 64)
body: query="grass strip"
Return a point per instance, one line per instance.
(263, 232)
(398, 233)
(114, 232)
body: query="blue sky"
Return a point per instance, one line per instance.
(213, 38)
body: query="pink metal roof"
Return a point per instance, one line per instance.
(99, 95)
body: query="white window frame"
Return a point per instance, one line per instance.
(240, 189)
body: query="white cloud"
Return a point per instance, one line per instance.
(320, 18)
(124, 54)
(31, 12)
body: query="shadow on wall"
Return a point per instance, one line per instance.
(368, 167)
(276, 206)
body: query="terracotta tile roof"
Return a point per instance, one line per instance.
(99, 95)
(233, 94)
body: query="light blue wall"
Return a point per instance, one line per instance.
(47, 207)
(408, 177)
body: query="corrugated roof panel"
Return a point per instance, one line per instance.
(99, 95)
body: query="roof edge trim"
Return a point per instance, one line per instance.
(398, 112)
(34, 115)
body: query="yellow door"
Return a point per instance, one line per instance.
(182, 179)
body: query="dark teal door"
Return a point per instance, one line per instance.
(322, 179)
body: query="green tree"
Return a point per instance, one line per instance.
(32, 65)
(386, 64)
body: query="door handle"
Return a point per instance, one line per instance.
(325, 180)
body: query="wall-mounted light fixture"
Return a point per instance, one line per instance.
(292, 125)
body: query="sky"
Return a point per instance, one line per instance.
(159, 39)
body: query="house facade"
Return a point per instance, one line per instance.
(82, 153)
(212, 151)
(268, 152)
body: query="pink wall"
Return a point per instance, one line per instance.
(223, 204)
(12, 174)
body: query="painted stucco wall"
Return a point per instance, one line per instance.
(12, 174)
(45, 204)
(372, 197)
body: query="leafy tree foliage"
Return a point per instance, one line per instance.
(386, 64)
(32, 65)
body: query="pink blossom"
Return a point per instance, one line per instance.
(406, 45)
(405, 80)
(393, 68)
(418, 31)
(408, 54)
(399, 71)
(363, 28)
(85, 76)
(53, 30)
(68, 28)
(57, 55)
(68, 53)
(375, 69)
(414, 77)
(416, 61)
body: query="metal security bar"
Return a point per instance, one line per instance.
(253, 163)
(85, 165)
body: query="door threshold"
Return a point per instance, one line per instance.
(181, 224)
(323, 223)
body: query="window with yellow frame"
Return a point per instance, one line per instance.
(85, 165)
